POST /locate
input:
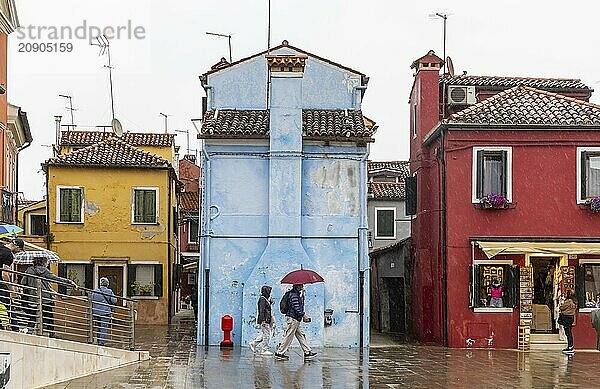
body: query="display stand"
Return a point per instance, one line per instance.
(525, 307)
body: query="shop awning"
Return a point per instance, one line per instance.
(562, 248)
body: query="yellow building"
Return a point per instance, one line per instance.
(111, 209)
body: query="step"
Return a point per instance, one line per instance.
(546, 342)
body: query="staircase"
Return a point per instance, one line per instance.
(546, 342)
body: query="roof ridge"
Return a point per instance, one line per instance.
(511, 77)
(63, 157)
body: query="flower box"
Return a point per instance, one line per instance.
(593, 204)
(494, 201)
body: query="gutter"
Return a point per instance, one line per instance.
(534, 239)
(204, 257)
(444, 241)
(363, 265)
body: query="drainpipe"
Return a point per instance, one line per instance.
(16, 215)
(444, 233)
(205, 247)
(362, 258)
(171, 174)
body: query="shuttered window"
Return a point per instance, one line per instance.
(590, 174)
(144, 206)
(385, 223)
(492, 172)
(70, 205)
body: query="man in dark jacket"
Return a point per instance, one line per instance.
(264, 319)
(40, 269)
(294, 315)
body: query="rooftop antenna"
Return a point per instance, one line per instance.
(223, 36)
(104, 45)
(166, 121)
(444, 17)
(269, 29)
(70, 108)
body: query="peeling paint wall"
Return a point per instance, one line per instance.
(272, 208)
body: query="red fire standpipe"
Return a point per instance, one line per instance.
(227, 327)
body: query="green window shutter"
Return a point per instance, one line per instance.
(150, 206)
(75, 205)
(158, 276)
(70, 205)
(138, 205)
(64, 205)
(479, 171)
(130, 278)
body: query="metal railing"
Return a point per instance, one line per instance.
(76, 317)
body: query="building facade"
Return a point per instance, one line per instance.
(284, 188)
(112, 212)
(504, 172)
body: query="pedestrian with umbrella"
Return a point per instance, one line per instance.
(292, 305)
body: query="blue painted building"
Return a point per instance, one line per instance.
(284, 156)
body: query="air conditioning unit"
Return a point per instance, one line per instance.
(461, 95)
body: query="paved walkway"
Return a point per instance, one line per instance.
(178, 363)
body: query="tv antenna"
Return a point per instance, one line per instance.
(223, 36)
(187, 135)
(166, 121)
(70, 108)
(104, 45)
(444, 17)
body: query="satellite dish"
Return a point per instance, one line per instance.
(117, 127)
(449, 66)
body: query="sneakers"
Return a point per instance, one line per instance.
(252, 346)
(569, 350)
(266, 353)
(309, 355)
(282, 356)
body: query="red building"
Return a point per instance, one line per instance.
(503, 169)
(189, 176)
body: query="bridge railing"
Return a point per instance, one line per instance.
(75, 316)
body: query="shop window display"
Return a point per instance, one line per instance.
(592, 285)
(494, 286)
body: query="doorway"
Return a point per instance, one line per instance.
(546, 274)
(114, 274)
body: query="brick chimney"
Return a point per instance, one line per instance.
(425, 97)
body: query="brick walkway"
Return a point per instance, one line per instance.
(177, 363)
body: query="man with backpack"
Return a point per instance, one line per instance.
(103, 299)
(292, 305)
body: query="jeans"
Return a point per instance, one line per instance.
(568, 320)
(101, 322)
(496, 302)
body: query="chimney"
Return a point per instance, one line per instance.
(425, 96)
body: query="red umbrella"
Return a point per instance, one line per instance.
(302, 276)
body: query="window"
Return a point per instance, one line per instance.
(588, 172)
(144, 280)
(494, 285)
(590, 274)
(414, 120)
(385, 223)
(384, 178)
(70, 205)
(81, 273)
(37, 225)
(145, 202)
(492, 172)
(193, 231)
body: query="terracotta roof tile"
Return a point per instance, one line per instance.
(402, 167)
(189, 201)
(523, 105)
(387, 190)
(499, 82)
(87, 138)
(111, 152)
(317, 124)
(228, 123)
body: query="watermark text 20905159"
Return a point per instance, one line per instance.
(82, 31)
(45, 47)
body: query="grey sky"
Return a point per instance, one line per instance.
(379, 38)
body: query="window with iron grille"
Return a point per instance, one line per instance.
(145, 205)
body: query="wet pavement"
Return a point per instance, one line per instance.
(177, 363)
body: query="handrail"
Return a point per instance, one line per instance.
(39, 311)
(68, 285)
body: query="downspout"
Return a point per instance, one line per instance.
(169, 236)
(362, 258)
(205, 212)
(444, 242)
(46, 169)
(26, 145)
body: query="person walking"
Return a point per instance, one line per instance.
(40, 269)
(7, 252)
(265, 320)
(102, 300)
(566, 319)
(596, 325)
(293, 315)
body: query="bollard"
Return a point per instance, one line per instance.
(227, 327)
